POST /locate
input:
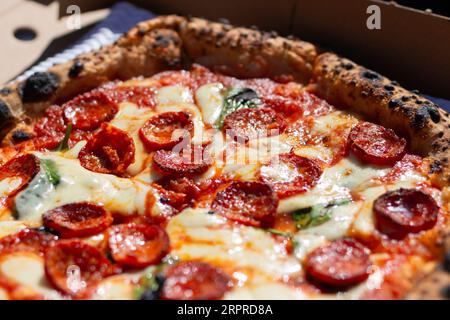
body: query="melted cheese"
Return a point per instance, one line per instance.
(8, 185)
(119, 287)
(243, 161)
(209, 99)
(124, 196)
(195, 234)
(131, 118)
(11, 227)
(3, 295)
(27, 270)
(173, 95)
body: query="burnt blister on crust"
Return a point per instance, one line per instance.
(435, 167)
(39, 87)
(20, 136)
(434, 113)
(420, 118)
(5, 113)
(165, 45)
(370, 75)
(76, 69)
(5, 91)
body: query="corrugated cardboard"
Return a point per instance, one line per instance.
(412, 47)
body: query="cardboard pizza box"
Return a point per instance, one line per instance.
(407, 45)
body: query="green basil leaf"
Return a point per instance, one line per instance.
(235, 99)
(64, 144)
(146, 282)
(51, 173)
(42, 186)
(280, 233)
(317, 214)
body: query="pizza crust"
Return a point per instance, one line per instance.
(173, 42)
(164, 43)
(424, 124)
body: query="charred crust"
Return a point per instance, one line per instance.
(21, 135)
(38, 87)
(394, 103)
(76, 68)
(435, 167)
(434, 113)
(420, 118)
(370, 75)
(5, 113)
(5, 91)
(347, 65)
(223, 21)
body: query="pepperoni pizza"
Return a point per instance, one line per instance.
(195, 160)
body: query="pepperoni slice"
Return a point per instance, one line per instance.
(190, 161)
(27, 240)
(166, 130)
(195, 281)
(110, 150)
(80, 219)
(290, 174)
(405, 211)
(140, 96)
(250, 123)
(72, 266)
(343, 262)
(52, 123)
(24, 167)
(138, 246)
(175, 199)
(88, 111)
(249, 203)
(375, 144)
(183, 185)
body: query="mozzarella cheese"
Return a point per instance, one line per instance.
(120, 287)
(210, 98)
(120, 195)
(192, 231)
(11, 227)
(130, 119)
(27, 270)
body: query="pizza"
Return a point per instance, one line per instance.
(197, 160)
